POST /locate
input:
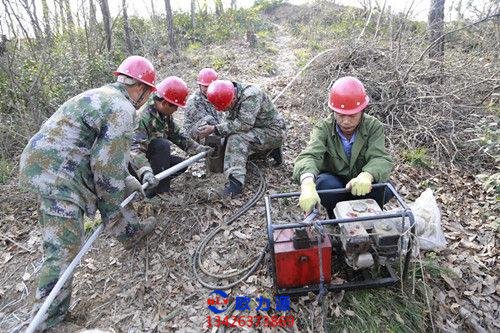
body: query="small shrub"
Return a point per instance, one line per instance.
(218, 63)
(417, 157)
(303, 56)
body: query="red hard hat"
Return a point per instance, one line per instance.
(220, 93)
(348, 96)
(174, 90)
(138, 68)
(207, 76)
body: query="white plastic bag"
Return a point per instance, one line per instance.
(428, 229)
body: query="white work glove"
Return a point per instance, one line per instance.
(149, 177)
(132, 185)
(202, 148)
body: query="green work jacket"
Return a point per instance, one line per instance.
(325, 153)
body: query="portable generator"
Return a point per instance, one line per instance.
(358, 247)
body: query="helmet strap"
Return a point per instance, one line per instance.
(136, 102)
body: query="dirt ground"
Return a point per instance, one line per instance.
(152, 288)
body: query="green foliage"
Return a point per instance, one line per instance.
(417, 157)
(212, 29)
(5, 170)
(268, 66)
(487, 132)
(218, 62)
(267, 5)
(381, 310)
(303, 56)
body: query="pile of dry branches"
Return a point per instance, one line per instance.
(423, 105)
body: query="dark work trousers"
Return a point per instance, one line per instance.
(327, 181)
(160, 159)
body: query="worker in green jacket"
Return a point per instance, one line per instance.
(346, 150)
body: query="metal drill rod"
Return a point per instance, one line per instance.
(39, 317)
(164, 174)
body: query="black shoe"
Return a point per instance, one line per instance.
(232, 188)
(277, 155)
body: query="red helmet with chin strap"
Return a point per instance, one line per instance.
(220, 93)
(207, 76)
(174, 90)
(348, 96)
(138, 68)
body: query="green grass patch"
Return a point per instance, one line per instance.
(381, 310)
(417, 157)
(303, 56)
(5, 170)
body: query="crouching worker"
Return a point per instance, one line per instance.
(77, 164)
(151, 152)
(345, 150)
(199, 111)
(252, 125)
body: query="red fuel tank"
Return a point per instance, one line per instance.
(299, 267)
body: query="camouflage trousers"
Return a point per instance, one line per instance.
(241, 145)
(63, 236)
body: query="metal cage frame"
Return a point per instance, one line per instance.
(391, 279)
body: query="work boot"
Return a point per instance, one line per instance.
(138, 232)
(277, 155)
(232, 188)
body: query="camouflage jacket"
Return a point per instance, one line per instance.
(152, 125)
(253, 109)
(199, 112)
(81, 153)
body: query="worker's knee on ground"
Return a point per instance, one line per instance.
(159, 145)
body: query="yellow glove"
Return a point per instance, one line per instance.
(308, 195)
(360, 185)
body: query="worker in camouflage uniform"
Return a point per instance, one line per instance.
(150, 152)
(346, 150)
(252, 125)
(199, 111)
(77, 164)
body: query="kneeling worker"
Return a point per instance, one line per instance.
(150, 151)
(345, 150)
(252, 125)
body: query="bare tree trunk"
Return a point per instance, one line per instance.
(436, 30)
(3, 44)
(233, 4)
(170, 24)
(61, 13)
(193, 13)
(46, 19)
(219, 9)
(19, 22)
(153, 13)
(106, 18)
(70, 24)
(126, 26)
(11, 21)
(380, 15)
(92, 18)
(55, 30)
(33, 17)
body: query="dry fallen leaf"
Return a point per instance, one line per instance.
(26, 276)
(350, 313)
(6, 257)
